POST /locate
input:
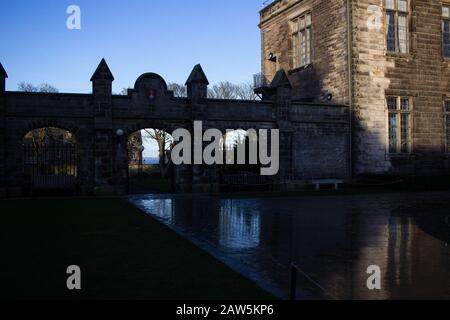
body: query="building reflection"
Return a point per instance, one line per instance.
(239, 226)
(333, 240)
(400, 249)
(336, 241)
(161, 208)
(414, 264)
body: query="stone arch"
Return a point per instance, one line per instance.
(135, 167)
(166, 126)
(242, 125)
(54, 123)
(46, 167)
(81, 131)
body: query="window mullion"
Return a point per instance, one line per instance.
(300, 42)
(399, 124)
(397, 32)
(410, 134)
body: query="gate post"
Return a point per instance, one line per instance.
(203, 177)
(103, 144)
(283, 94)
(3, 76)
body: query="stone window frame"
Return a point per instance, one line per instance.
(398, 13)
(296, 30)
(446, 108)
(399, 112)
(445, 17)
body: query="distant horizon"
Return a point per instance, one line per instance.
(150, 160)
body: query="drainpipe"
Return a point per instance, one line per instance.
(350, 81)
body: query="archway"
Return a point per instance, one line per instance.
(241, 169)
(149, 163)
(50, 161)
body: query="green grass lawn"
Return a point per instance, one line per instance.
(123, 254)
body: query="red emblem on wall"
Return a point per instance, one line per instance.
(151, 94)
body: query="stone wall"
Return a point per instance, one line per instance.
(420, 75)
(423, 75)
(369, 70)
(312, 136)
(321, 132)
(328, 74)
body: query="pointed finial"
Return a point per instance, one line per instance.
(102, 72)
(197, 76)
(281, 80)
(3, 72)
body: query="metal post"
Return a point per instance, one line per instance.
(293, 289)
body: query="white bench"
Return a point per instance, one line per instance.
(327, 182)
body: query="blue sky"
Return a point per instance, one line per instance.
(164, 36)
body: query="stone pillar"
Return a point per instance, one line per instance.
(197, 84)
(103, 129)
(282, 90)
(182, 179)
(3, 76)
(120, 172)
(203, 177)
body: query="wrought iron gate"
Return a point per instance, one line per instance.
(50, 166)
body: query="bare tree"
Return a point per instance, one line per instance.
(49, 135)
(27, 87)
(222, 90)
(179, 90)
(245, 91)
(164, 141)
(43, 87)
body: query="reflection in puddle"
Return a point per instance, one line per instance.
(161, 208)
(238, 229)
(332, 239)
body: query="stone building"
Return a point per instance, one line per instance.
(313, 137)
(389, 60)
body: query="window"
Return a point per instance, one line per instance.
(301, 41)
(397, 26)
(446, 31)
(399, 124)
(447, 124)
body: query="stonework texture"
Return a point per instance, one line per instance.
(329, 71)
(356, 68)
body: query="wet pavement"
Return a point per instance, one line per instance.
(332, 239)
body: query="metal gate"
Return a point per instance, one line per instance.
(50, 166)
